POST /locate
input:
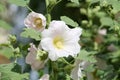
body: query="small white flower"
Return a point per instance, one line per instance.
(44, 77)
(102, 32)
(36, 64)
(76, 72)
(60, 41)
(36, 21)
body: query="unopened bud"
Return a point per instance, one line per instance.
(52, 2)
(83, 11)
(41, 55)
(88, 1)
(96, 9)
(113, 11)
(84, 22)
(116, 28)
(90, 13)
(12, 38)
(104, 3)
(16, 50)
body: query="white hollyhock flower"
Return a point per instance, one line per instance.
(36, 21)
(36, 64)
(44, 77)
(60, 41)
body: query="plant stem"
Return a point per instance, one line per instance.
(66, 62)
(29, 8)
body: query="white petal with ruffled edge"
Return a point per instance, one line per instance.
(60, 41)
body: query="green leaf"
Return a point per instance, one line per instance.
(6, 51)
(111, 38)
(115, 4)
(5, 25)
(90, 68)
(7, 73)
(106, 21)
(2, 7)
(101, 14)
(94, 1)
(6, 67)
(68, 77)
(116, 54)
(31, 33)
(72, 5)
(19, 2)
(69, 21)
(75, 1)
(87, 56)
(86, 33)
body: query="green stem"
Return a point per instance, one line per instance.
(49, 10)
(54, 71)
(66, 62)
(29, 8)
(48, 19)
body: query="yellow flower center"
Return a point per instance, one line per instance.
(38, 22)
(58, 42)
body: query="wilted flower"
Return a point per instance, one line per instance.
(31, 59)
(76, 72)
(44, 77)
(3, 36)
(36, 21)
(60, 41)
(111, 47)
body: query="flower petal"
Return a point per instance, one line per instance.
(72, 49)
(57, 28)
(47, 44)
(44, 77)
(30, 58)
(53, 56)
(73, 35)
(46, 33)
(37, 65)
